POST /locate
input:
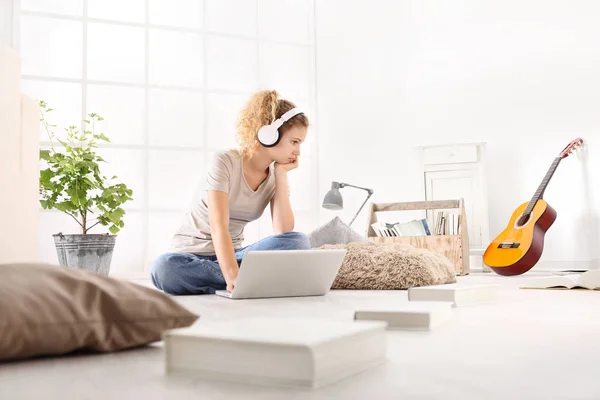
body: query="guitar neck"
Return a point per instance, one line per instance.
(540, 191)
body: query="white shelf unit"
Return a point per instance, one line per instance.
(452, 171)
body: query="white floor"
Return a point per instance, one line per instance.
(530, 344)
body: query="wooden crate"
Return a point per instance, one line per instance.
(455, 247)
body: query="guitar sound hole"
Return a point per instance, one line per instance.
(523, 220)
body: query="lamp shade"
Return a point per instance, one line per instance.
(333, 200)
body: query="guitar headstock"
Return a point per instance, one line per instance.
(572, 147)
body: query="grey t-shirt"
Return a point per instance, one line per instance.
(245, 205)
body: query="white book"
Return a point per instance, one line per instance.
(457, 293)
(296, 352)
(588, 280)
(376, 229)
(412, 228)
(411, 316)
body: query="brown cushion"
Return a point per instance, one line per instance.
(51, 310)
(389, 266)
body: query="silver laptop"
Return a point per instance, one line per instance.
(286, 273)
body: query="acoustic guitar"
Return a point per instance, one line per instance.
(519, 247)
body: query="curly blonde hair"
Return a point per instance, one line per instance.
(261, 109)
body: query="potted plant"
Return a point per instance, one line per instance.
(71, 182)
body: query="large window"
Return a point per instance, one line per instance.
(169, 77)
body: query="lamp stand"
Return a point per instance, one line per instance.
(370, 193)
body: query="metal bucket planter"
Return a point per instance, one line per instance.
(88, 252)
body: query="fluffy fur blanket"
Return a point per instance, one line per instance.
(388, 266)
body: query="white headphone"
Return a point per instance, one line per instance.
(268, 135)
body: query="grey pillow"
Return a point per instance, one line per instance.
(334, 232)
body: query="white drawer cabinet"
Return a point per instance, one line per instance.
(450, 154)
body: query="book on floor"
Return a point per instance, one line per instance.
(457, 293)
(589, 280)
(296, 352)
(414, 315)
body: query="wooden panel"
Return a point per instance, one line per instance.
(464, 238)
(447, 245)
(19, 154)
(416, 205)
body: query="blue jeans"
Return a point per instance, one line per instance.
(187, 273)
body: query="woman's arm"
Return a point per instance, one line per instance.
(281, 209)
(218, 217)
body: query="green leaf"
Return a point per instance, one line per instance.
(45, 155)
(65, 206)
(115, 216)
(46, 175)
(90, 181)
(71, 179)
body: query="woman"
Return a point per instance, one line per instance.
(206, 249)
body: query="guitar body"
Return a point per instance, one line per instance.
(518, 248)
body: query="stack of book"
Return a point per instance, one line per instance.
(416, 227)
(447, 223)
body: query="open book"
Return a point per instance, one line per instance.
(588, 280)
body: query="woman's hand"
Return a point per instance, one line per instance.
(231, 277)
(230, 285)
(286, 167)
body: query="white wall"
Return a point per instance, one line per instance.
(169, 79)
(519, 75)
(6, 22)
